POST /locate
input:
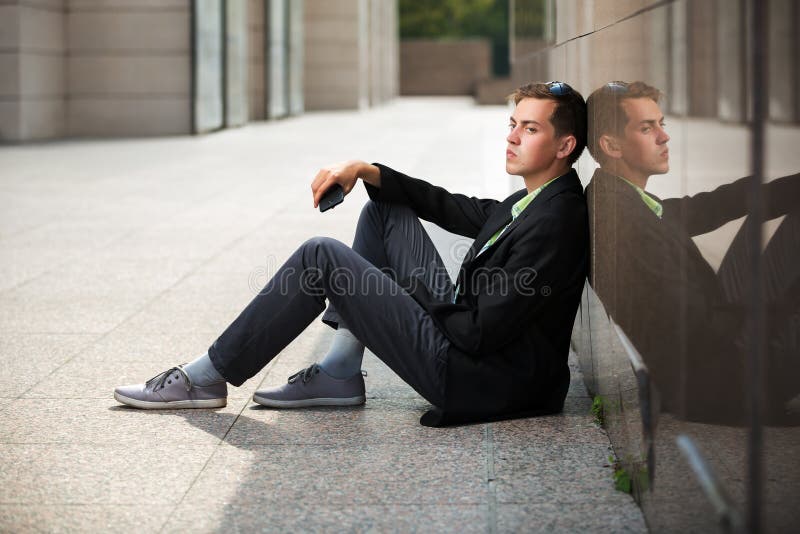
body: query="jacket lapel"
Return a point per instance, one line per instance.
(502, 215)
(570, 180)
(499, 218)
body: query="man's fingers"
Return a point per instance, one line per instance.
(342, 174)
(318, 186)
(322, 189)
(318, 180)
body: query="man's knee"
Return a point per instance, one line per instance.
(322, 243)
(324, 253)
(329, 263)
(380, 211)
(373, 210)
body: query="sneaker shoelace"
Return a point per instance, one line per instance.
(159, 380)
(306, 374)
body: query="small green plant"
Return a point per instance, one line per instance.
(598, 410)
(622, 480)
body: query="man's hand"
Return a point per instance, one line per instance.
(345, 174)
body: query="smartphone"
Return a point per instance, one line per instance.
(332, 197)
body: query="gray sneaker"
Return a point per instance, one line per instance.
(314, 387)
(170, 390)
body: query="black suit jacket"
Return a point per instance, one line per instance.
(511, 324)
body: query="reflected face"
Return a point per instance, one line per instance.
(532, 143)
(644, 141)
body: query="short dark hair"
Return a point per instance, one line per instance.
(606, 114)
(569, 117)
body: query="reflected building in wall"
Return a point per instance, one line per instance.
(691, 320)
(85, 68)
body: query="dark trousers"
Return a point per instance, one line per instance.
(781, 294)
(361, 287)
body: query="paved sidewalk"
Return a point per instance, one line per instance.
(122, 258)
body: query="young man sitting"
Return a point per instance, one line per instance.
(493, 345)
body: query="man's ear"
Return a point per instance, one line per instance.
(566, 146)
(610, 146)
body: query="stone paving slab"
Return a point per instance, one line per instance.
(594, 517)
(122, 258)
(31, 310)
(301, 517)
(120, 346)
(92, 379)
(84, 518)
(390, 421)
(86, 421)
(182, 315)
(569, 428)
(80, 473)
(357, 473)
(31, 253)
(27, 358)
(551, 473)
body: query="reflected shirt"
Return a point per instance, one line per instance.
(654, 205)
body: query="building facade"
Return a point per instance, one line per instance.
(92, 68)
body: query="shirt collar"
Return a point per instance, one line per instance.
(654, 205)
(520, 205)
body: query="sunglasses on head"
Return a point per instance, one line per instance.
(617, 87)
(558, 88)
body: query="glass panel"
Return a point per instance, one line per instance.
(235, 63)
(663, 333)
(278, 101)
(296, 33)
(781, 275)
(208, 67)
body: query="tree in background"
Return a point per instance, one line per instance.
(457, 19)
(529, 18)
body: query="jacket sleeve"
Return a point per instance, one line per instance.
(704, 212)
(455, 213)
(543, 261)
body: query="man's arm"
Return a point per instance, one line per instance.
(708, 211)
(345, 174)
(370, 174)
(455, 213)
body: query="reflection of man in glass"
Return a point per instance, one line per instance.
(685, 319)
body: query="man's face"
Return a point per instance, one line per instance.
(532, 144)
(644, 141)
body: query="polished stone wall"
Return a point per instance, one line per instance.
(32, 72)
(689, 329)
(128, 67)
(351, 53)
(256, 47)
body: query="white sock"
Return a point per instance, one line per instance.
(344, 355)
(202, 372)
